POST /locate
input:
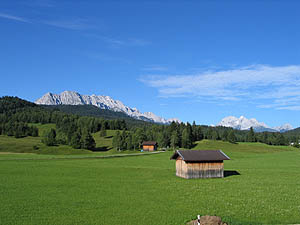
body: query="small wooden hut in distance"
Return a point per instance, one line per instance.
(149, 146)
(199, 163)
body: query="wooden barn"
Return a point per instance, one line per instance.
(149, 146)
(199, 163)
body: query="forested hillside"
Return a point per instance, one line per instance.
(75, 125)
(90, 110)
(70, 129)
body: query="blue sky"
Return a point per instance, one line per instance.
(194, 60)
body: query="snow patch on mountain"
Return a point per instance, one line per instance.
(102, 102)
(283, 128)
(243, 123)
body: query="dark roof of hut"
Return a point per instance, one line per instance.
(200, 155)
(149, 143)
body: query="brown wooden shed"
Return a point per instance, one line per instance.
(199, 163)
(149, 146)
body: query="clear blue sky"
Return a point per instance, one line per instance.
(194, 60)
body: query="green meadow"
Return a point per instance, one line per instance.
(59, 189)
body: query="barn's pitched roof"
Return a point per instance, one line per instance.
(200, 155)
(149, 143)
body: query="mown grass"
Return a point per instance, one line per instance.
(104, 143)
(254, 147)
(43, 128)
(145, 190)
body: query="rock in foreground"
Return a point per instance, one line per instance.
(208, 220)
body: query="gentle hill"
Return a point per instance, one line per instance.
(104, 143)
(34, 145)
(254, 147)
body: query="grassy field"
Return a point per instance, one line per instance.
(145, 190)
(104, 143)
(33, 145)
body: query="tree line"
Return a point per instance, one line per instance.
(184, 135)
(75, 130)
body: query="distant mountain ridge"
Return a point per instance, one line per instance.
(102, 102)
(243, 123)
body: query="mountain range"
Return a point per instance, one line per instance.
(243, 123)
(102, 102)
(108, 103)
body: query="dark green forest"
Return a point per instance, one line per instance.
(75, 124)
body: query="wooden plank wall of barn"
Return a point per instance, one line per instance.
(199, 170)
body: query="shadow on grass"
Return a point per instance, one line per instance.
(193, 145)
(228, 173)
(101, 149)
(108, 137)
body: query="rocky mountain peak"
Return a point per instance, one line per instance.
(242, 123)
(103, 102)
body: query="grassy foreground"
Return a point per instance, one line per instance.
(145, 190)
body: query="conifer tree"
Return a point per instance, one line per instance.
(215, 135)
(175, 138)
(87, 141)
(225, 135)
(231, 137)
(117, 141)
(129, 142)
(123, 144)
(251, 135)
(163, 139)
(35, 132)
(186, 139)
(76, 140)
(49, 139)
(102, 131)
(209, 133)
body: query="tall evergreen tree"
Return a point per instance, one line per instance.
(123, 144)
(231, 137)
(225, 135)
(209, 133)
(49, 138)
(129, 141)
(251, 135)
(280, 140)
(76, 140)
(87, 141)
(175, 138)
(215, 135)
(163, 139)
(117, 141)
(140, 136)
(186, 138)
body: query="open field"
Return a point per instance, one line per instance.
(145, 190)
(26, 144)
(19, 148)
